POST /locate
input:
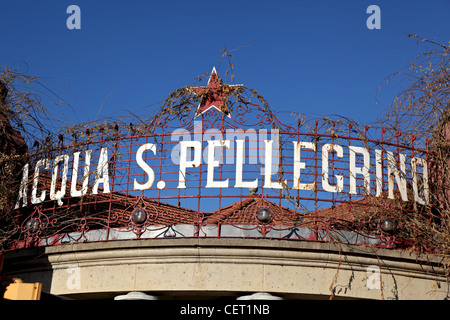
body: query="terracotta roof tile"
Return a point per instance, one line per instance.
(242, 212)
(245, 212)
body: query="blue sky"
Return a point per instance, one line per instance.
(312, 57)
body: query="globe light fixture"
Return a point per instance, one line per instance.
(32, 225)
(139, 216)
(388, 225)
(264, 215)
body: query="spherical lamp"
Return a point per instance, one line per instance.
(139, 216)
(32, 225)
(388, 225)
(264, 215)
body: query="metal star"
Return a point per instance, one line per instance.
(213, 95)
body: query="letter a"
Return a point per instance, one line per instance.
(74, 21)
(374, 21)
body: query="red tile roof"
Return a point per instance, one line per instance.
(245, 212)
(242, 212)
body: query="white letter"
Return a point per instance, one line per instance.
(184, 145)
(178, 135)
(101, 174)
(210, 183)
(35, 200)
(149, 171)
(414, 162)
(355, 170)
(74, 21)
(379, 171)
(60, 194)
(239, 164)
(87, 164)
(239, 134)
(268, 167)
(298, 165)
(23, 189)
(274, 152)
(374, 21)
(399, 176)
(340, 179)
(207, 136)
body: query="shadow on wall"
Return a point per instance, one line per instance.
(30, 265)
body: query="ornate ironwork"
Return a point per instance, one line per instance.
(87, 189)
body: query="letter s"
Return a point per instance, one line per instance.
(149, 171)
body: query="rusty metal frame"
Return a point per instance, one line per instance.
(173, 211)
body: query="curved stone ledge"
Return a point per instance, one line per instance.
(215, 267)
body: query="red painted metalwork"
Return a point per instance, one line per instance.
(195, 211)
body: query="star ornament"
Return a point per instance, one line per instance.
(214, 95)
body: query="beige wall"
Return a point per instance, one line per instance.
(291, 269)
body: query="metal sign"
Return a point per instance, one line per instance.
(213, 153)
(221, 164)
